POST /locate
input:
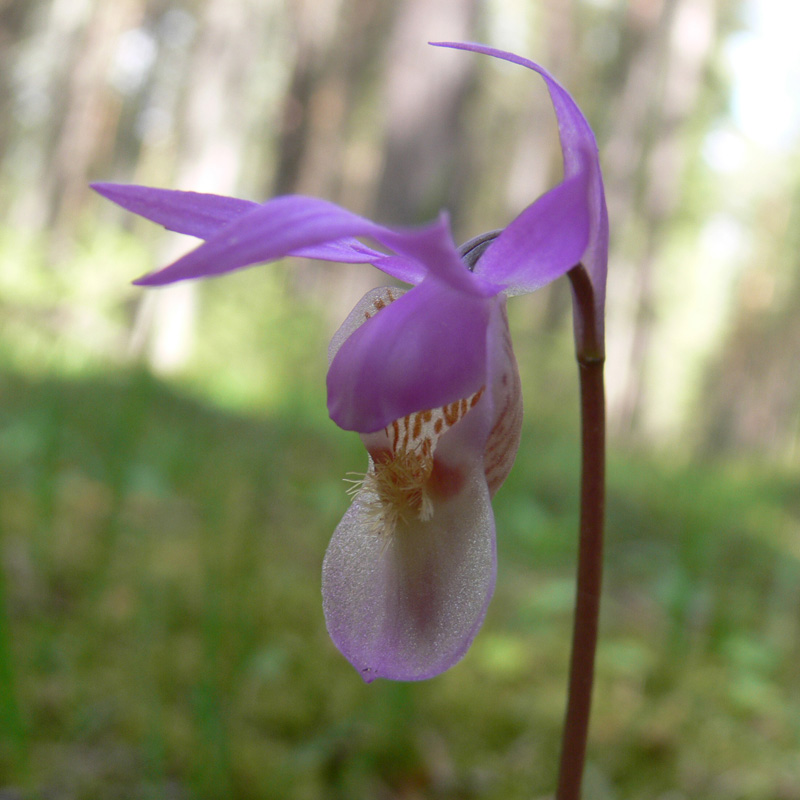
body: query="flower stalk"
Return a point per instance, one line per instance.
(589, 353)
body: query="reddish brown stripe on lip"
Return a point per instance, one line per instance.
(450, 414)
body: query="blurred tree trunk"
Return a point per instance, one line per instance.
(752, 391)
(16, 21)
(89, 114)
(336, 64)
(423, 111)
(211, 142)
(66, 111)
(330, 141)
(645, 158)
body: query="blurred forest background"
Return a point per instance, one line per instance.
(168, 476)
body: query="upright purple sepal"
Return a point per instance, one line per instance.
(579, 149)
(545, 241)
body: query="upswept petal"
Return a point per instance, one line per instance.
(426, 349)
(407, 605)
(579, 149)
(545, 241)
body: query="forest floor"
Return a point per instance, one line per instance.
(162, 636)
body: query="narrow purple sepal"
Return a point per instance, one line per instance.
(193, 213)
(344, 251)
(204, 215)
(288, 225)
(404, 268)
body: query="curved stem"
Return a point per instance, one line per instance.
(590, 552)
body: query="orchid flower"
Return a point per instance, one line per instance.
(427, 377)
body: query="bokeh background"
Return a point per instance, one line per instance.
(168, 475)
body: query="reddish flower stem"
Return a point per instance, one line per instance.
(589, 352)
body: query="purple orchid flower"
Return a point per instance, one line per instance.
(427, 376)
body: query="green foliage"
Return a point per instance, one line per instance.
(162, 632)
(66, 302)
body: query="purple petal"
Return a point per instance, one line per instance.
(405, 269)
(192, 213)
(426, 349)
(369, 305)
(204, 215)
(545, 241)
(580, 152)
(348, 251)
(423, 351)
(291, 224)
(406, 605)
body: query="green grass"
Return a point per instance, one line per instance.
(161, 630)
